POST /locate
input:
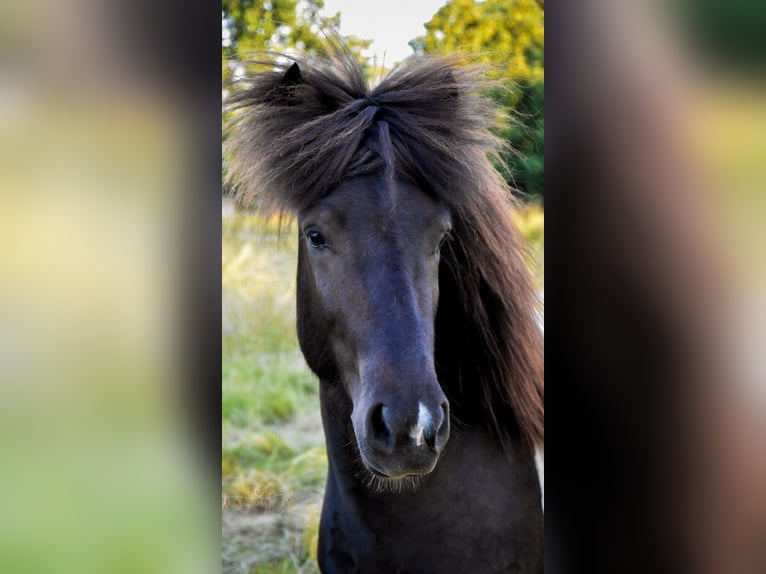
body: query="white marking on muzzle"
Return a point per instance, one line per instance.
(424, 420)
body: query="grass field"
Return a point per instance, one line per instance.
(273, 461)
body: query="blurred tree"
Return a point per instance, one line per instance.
(253, 25)
(250, 26)
(509, 36)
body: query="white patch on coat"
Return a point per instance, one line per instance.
(424, 421)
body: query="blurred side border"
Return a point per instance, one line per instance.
(110, 297)
(654, 287)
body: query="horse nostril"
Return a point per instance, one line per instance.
(381, 433)
(385, 431)
(442, 432)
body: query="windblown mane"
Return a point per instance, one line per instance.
(306, 125)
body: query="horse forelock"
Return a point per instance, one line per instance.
(291, 143)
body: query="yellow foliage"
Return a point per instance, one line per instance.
(509, 34)
(531, 222)
(229, 467)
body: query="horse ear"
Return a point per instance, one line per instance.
(283, 93)
(292, 76)
(451, 87)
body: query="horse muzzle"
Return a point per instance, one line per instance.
(396, 440)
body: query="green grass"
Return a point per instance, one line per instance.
(270, 462)
(264, 378)
(265, 382)
(265, 389)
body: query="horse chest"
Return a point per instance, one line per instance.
(445, 526)
(454, 545)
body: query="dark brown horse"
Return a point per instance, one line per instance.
(415, 310)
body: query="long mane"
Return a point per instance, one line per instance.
(304, 126)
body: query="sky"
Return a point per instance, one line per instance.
(390, 23)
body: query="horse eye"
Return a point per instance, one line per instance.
(316, 239)
(446, 237)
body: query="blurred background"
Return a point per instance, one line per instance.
(110, 334)
(655, 189)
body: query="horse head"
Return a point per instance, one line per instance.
(369, 290)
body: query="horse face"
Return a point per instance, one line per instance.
(370, 258)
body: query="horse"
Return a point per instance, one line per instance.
(415, 308)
